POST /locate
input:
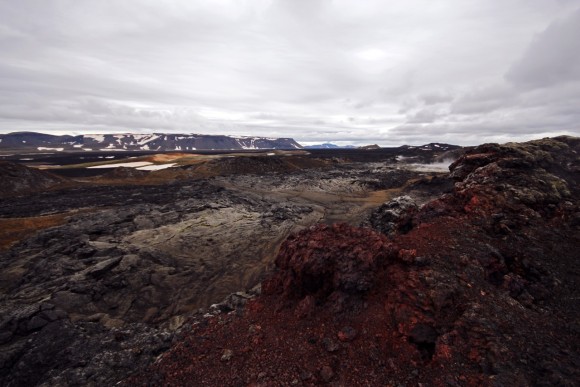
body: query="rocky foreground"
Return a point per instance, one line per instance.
(98, 274)
(469, 278)
(477, 287)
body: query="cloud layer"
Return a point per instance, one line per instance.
(317, 70)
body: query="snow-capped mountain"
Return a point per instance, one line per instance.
(144, 142)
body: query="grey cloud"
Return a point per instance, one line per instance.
(485, 99)
(552, 58)
(434, 98)
(363, 72)
(424, 116)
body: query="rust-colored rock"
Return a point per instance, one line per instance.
(325, 259)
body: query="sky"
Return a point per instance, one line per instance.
(342, 71)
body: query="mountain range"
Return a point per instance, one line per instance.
(160, 142)
(139, 142)
(328, 145)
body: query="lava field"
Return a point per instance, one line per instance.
(330, 267)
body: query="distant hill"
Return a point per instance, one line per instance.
(32, 141)
(432, 147)
(18, 179)
(328, 145)
(374, 146)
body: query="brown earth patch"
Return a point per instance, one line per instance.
(13, 230)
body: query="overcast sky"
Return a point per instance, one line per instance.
(345, 71)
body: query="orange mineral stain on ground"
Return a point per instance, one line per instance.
(166, 158)
(13, 230)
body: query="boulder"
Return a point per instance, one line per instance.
(395, 216)
(326, 259)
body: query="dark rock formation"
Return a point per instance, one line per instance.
(141, 255)
(124, 173)
(395, 216)
(256, 165)
(18, 179)
(59, 352)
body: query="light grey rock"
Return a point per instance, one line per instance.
(103, 267)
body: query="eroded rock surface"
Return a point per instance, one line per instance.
(150, 262)
(99, 292)
(395, 216)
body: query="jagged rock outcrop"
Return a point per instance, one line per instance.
(395, 216)
(60, 353)
(329, 262)
(527, 182)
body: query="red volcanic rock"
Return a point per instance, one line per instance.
(347, 334)
(305, 308)
(325, 259)
(326, 373)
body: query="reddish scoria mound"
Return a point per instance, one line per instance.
(482, 290)
(328, 261)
